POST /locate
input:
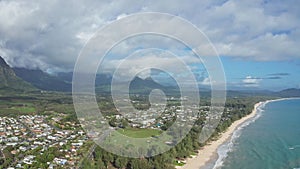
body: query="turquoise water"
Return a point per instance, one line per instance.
(270, 141)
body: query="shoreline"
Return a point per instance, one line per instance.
(209, 152)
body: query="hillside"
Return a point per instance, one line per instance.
(63, 82)
(9, 81)
(290, 93)
(42, 80)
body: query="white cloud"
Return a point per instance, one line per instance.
(250, 81)
(250, 29)
(205, 82)
(150, 58)
(50, 34)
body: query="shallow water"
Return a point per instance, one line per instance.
(270, 140)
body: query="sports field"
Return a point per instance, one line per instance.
(139, 133)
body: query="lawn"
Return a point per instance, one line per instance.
(139, 133)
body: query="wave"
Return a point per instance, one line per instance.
(228, 146)
(294, 147)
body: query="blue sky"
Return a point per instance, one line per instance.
(269, 75)
(258, 40)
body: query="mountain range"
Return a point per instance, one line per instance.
(22, 79)
(63, 81)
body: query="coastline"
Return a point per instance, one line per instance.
(207, 153)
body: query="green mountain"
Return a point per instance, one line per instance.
(59, 82)
(9, 81)
(290, 93)
(21, 79)
(63, 82)
(43, 81)
(145, 86)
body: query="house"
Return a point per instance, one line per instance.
(60, 161)
(77, 144)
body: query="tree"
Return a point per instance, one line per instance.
(113, 122)
(86, 164)
(124, 123)
(107, 158)
(140, 163)
(121, 162)
(100, 164)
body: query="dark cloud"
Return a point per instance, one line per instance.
(279, 74)
(273, 77)
(263, 78)
(254, 78)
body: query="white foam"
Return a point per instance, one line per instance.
(227, 147)
(294, 147)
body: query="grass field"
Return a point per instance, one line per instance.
(16, 108)
(139, 133)
(24, 109)
(132, 142)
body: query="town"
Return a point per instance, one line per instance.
(31, 139)
(41, 140)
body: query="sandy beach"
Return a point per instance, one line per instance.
(209, 151)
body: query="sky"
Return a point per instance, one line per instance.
(258, 40)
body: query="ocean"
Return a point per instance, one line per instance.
(271, 140)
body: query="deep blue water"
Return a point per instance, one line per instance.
(270, 141)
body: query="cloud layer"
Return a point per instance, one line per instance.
(49, 34)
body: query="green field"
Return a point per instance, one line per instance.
(24, 109)
(12, 107)
(139, 133)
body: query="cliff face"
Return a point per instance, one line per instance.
(8, 78)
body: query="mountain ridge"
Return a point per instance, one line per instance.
(9, 80)
(63, 82)
(42, 80)
(291, 92)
